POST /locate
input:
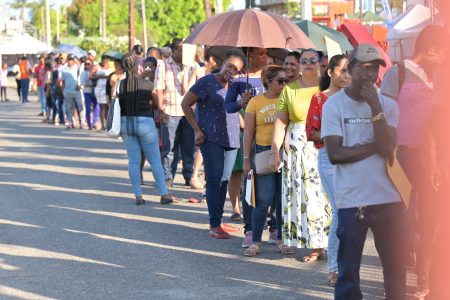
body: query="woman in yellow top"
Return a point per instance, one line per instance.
(259, 119)
(306, 209)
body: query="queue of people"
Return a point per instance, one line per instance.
(320, 129)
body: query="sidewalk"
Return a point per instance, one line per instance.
(71, 230)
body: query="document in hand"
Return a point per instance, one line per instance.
(400, 180)
(250, 189)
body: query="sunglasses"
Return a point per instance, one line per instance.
(312, 61)
(281, 81)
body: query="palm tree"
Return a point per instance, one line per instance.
(20, 4)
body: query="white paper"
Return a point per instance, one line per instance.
(189, 52)
(333, 47)
(248, 188)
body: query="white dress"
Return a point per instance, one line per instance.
(100, 87)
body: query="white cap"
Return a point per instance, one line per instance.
(92, 52)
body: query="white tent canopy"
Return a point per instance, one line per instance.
(22, 44)
(406, 28)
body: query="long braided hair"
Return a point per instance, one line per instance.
(130, 94)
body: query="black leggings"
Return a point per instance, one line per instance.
(3, 92)
(19, 88)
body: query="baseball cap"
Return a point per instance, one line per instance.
(70, 57)
(92, 52)
(366, 53)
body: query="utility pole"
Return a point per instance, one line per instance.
(144, 25)
(130, 24)
(47, 27)
(42, 24)
(208, 10)
(57, 25)
(103, 19)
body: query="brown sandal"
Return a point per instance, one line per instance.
(421, 294)
(313, 257)
(252, 250)
(285, 249)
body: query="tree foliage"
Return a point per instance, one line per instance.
(165, 19)
(170, 19)
(37, 14)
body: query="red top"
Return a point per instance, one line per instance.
(39, 72)
(314, 118)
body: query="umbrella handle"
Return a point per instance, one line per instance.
(248, 67)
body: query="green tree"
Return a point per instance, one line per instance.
(293, 10)
(36, 12)
(165, 19)
(169, 19)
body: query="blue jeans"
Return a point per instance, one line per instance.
(59, 102)
(178, 143)
(387, 222)
(42, 98)
(268, 194)
(326, 172)
(214, 158)
(143, 137)
(90, 100)
(25, 85)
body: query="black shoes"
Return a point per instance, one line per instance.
(167, 199)
(139, 200)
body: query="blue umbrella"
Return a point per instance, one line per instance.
(70, 49)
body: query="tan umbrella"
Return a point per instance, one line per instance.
(249, 28)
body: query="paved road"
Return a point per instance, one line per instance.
(70, 230)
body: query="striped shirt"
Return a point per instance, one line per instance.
(173, 80)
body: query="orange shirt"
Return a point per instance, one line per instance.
(25, 67)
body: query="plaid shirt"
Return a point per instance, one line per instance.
(173, 81)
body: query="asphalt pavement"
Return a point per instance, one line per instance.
(69, 229)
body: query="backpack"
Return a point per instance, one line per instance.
(401, 75)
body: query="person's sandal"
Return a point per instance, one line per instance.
(236, 217)
(332, 279)
(167, 199)
(219, 233)
(252, 251)
(196, 185)
(313, 257)
(285, 249)
(139, 200)
(421, 294)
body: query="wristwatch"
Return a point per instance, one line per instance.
(378, 117)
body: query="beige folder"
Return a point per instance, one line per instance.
(400, 180)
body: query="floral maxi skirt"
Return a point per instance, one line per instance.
(306, 208)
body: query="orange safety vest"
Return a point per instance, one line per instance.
(24, 66)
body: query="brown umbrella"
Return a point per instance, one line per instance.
(220, 52)
(249, 28)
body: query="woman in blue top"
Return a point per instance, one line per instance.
(217, 133)
(240, 92)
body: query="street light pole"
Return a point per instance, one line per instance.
(47, 30)
(144, 25)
